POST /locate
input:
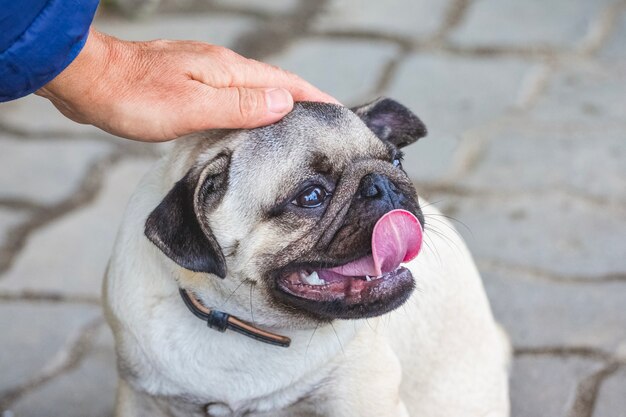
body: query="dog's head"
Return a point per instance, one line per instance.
(281, 209)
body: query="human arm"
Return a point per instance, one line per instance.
(160, 90)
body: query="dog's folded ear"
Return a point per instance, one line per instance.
(178, 225)
(391, 121)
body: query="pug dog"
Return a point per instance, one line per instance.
(273, 272)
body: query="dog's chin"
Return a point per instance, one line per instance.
(327, 295)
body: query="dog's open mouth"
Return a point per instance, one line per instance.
(331, 285)
(366, 287)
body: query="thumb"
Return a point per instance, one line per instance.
(238, 107)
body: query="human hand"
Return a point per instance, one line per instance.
(160, 90)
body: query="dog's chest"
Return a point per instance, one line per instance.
(220, 409)
(223, 374)
(284, 403)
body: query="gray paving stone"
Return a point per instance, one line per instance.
(274, 6)
(452, 94)
(348, 70)
(36, 115)
(35, 335)
(554, 160)
(414, 18)
(88, 390)
(8, 220)
(69, 256)
(142, 8)
(553, 233)
(537, 313)
(430, 159)
(46, 171)
(559, 23)
(614, 49)
(277, 7)
(546, 386)
(611, 401)
(585, 96)
(218, 29)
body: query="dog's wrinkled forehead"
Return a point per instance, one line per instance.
(314, 138)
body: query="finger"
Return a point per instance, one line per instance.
(256, 74)
(235, 107)
(233, 70)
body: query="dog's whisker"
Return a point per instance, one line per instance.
(337, 336)
(251, 310)
(389, 316)
(439, 233)
(431, 203)
(223, 304)
(369, 325)
(451, 218)
(446, 224)
(444, 237)
(377, 325)
(412, 329)
(450, 244)
(310, 340)
(432, 248)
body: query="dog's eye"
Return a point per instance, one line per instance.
(313, 196)
(397, 159)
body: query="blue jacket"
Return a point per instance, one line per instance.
(38, 39)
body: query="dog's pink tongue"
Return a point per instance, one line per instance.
(397, 238)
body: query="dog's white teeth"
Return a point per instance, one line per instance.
(373, 278)
(313, 279)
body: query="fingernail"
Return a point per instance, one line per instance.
(278, 100)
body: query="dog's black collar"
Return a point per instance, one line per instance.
(221, 321)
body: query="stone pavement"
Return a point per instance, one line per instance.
(526, 106)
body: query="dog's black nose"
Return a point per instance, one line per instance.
(376, 186)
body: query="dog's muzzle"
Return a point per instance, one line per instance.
(344, 268)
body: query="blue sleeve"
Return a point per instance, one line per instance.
(38, 40)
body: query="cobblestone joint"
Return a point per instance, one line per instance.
(68, 360)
